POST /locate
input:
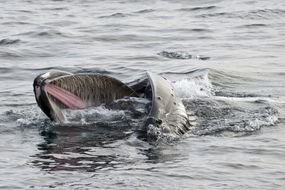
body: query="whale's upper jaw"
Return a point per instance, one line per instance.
(41, 95)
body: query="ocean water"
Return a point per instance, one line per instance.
(225, 60)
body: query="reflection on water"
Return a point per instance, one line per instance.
(75, 148)
(97, 148)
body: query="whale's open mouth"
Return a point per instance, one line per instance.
(67, 98)
(55, 92)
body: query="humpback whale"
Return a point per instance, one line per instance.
(57, 90)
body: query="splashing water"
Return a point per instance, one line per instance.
(93, 115)
(181, 55)
(198, 86)
(219, 115)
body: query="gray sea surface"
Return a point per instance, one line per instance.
(225, 59)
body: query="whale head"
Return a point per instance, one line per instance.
(58, 90)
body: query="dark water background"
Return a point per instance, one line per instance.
(224, 58)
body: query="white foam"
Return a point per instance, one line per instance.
(199, 86)
(94, 114)
(266, 121)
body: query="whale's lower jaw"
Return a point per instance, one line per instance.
(167, 113)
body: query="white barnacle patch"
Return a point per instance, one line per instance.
(46, 75)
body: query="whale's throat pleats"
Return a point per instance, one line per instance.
(81, 91)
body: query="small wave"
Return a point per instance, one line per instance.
(124, 38)
(68, 69)
(7, 41)
(61, 23)
(55, 9)
(17, 23)
(190, 30)
(226, 79)
(259, 14)
(8, 53)
(198, 8)
(181, 55)
(50, 34)
(116, 15)
(256, 25)
(20, 53)
(44, 34)
(25, 11)
(144, 11)
(219, 14)
(200, 30)
(90, 70)
(235, 84)
(4, 70)
(266, 14)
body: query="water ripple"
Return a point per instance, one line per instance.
(198, 8)
(7, 41)
(145, 11)
(181, 55)
(116, 15)
(259, 14)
